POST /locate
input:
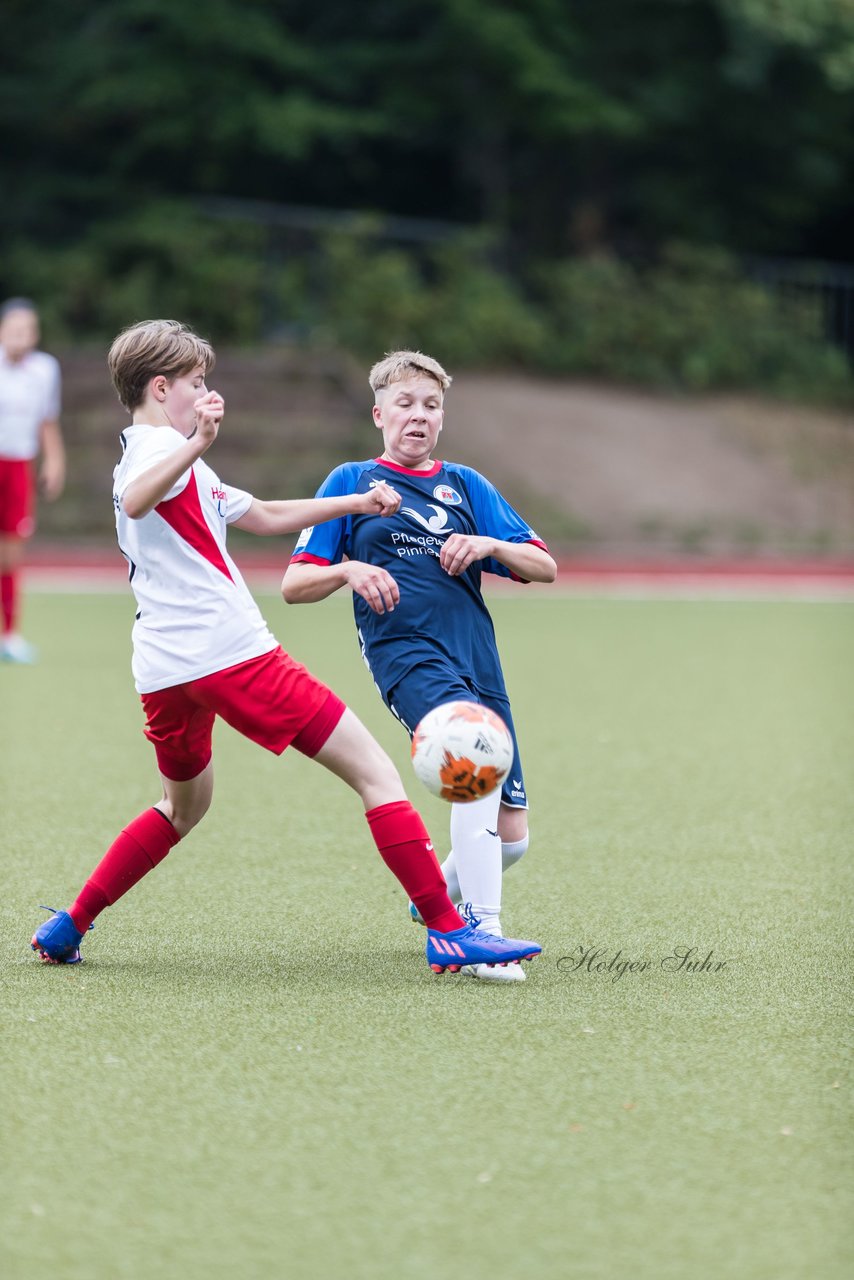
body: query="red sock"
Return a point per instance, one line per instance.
(9, 601)
(135, 851)
(405, 848)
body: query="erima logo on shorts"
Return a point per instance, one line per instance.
(303, 538)
(444, 493)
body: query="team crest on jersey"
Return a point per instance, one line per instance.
(444, 493)
(219, 497)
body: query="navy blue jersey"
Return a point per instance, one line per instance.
(437, 614)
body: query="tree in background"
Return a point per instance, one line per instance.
(557, 129)
(561, 124)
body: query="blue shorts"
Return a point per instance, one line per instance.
(429, 685)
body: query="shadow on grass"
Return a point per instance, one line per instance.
(241, 968)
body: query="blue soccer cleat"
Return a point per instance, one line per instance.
(58, 940)
(472, 946)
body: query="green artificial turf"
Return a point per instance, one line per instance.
(255, 1074)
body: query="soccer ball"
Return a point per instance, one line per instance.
(461, 751)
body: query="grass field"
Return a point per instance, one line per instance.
(255, 1074)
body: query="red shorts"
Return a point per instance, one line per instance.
(16, 497)
(273, 700)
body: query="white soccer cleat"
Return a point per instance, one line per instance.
(495, 972)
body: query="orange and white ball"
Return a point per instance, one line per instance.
(461, 751)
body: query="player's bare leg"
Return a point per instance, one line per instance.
(186, 803)
(355, 756)
(513, 830)
(512, 824)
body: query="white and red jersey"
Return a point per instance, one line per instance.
(29, 396)
(195, 613)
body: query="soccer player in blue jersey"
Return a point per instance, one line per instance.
(425, 632)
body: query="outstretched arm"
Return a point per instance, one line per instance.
(290, 516)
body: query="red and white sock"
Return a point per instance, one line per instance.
(405, 847)
(135, 851)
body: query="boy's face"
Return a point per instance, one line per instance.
(179, 397)
(409, 414)
(19, 333)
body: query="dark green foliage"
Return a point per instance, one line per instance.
(559, 132)
(161, 258)
(624, 123)
(691, 322)
(455, 302)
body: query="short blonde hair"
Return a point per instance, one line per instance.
(397, 366)
(152, 347)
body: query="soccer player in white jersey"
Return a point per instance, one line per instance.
(424, 629)
(201, 649)
(29, 427)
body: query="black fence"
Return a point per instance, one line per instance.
(825, 288)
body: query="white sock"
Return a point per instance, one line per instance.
(449, 871)
(512, 851)
(476, 855)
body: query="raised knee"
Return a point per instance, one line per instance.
(184, 822)
(379, 781)
(184, 818)
(386, 776)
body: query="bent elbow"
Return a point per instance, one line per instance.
(544, 570)
(290, 591)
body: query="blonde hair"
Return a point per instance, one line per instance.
(397, 366)
(153, 347)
